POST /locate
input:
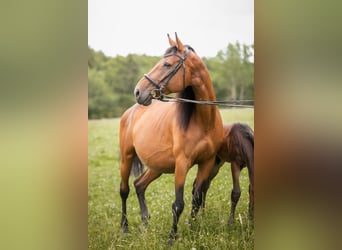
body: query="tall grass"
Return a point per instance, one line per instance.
(210, 231)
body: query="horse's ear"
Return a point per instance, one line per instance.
(171, 42)
(180, 45)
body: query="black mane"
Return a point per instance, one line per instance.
(185, 109)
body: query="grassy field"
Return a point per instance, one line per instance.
(104, 203)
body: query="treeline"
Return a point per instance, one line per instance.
(111, 80)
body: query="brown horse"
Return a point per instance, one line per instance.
(171, 137)
(238, 149)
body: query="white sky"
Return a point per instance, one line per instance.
(120, 27)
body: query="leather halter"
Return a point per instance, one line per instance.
(160, 85)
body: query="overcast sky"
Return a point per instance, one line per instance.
(120, 27)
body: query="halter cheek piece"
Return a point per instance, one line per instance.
(159, 86)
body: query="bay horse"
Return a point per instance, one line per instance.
(170, 137)
(238, 149)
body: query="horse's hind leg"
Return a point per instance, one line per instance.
(218, 164)
(141, 184)
(236, 192)
(125, 169)
(201, 186)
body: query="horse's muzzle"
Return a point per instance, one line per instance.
(143, 97)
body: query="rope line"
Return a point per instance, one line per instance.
(236, 103)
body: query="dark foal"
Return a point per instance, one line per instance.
(238, 149)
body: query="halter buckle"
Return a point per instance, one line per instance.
(156, 94)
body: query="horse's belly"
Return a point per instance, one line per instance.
(156, 156)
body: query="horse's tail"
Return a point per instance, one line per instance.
(137, 167)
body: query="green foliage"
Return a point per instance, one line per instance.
(104, 203)
(112, 80)
(232, 72)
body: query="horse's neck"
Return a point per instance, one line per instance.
(204, 91)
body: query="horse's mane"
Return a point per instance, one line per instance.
(185, 109)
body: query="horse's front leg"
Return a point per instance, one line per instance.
(236, 192)
(141, 184)
(178, 205)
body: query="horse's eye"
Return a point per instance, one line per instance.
(167, 65)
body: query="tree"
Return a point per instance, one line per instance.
(232, 72)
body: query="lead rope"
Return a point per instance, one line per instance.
(236, 103)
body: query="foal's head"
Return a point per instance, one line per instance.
(169, 75)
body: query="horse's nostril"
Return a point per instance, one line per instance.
(137, 93)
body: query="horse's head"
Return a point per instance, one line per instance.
(167, 76)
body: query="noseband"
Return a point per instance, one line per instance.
(159, 86)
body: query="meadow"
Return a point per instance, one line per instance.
(210, 231)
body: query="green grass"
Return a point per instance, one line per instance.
(210, 231)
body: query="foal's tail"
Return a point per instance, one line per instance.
(137, 167)
(242, 137)
(247, 142)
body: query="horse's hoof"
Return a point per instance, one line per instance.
(250, 211)
(251, 215)
(173, 236)
(230, 223)
(170, 243)
(193, 222)
(145, 220)
(190, 222)
(124, 229)
(142, 229)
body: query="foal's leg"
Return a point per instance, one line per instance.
(125, 169)
(141, 184)
(251, 191)
(236, 192)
